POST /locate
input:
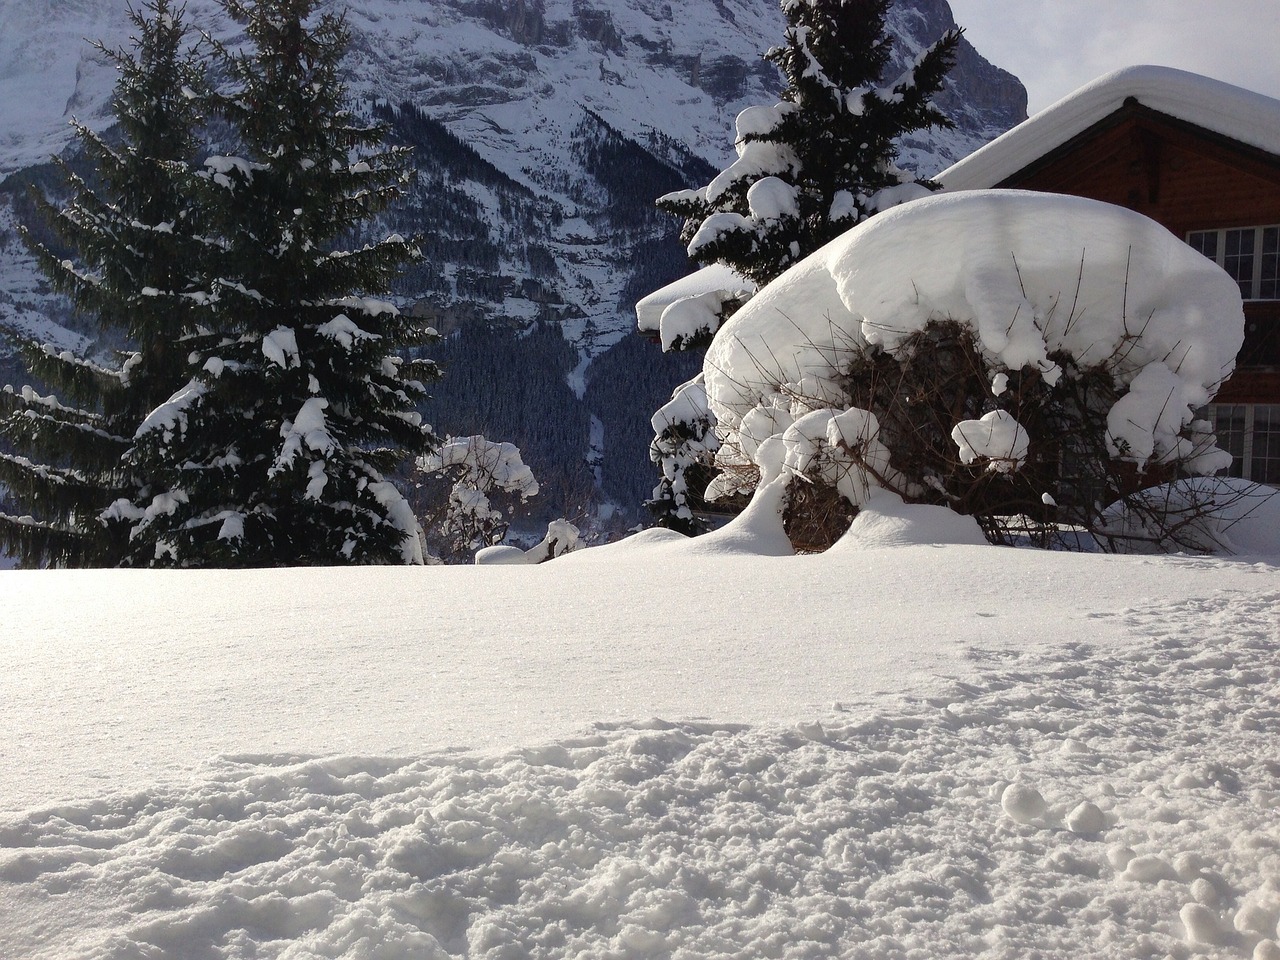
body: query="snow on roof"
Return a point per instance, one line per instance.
(1231, 111)
(709, 279)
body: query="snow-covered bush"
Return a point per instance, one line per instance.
(467, 520)
(997, 352)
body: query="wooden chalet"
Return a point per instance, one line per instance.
(1198, 156)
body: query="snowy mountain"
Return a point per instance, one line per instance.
(545, 129)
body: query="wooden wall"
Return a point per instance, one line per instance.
(1186, 179)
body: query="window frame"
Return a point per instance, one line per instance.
(1258, 254)
(1250, 461)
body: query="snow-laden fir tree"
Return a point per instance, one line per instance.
(134, 262)
(821, 160)
(808, 168)
(278, 449)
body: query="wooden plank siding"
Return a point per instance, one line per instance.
(1186, 178)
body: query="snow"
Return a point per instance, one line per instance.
(996, 437)
(692, 318)
(1030, 275)
(232, 526)
(562, 537)
(1218, 514)
(483, 463)
(889, 197)
(219, 170)
(280, 346)
(500, 554)
(402, 517)
(306, 432)
(1243, 115)
(370, 306)
(771, 198)
(171, 416)
(529, 761)
(684, 307)
(885, 521)
(1022, 803)
(755, 157)
(344, 331)
(818, 446)
(688, 404)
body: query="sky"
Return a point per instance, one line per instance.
(1056, 46)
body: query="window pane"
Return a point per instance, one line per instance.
(1269, 288)
(1238, 260)
(1228, 424)
(1266, 429)
(1266, 444)
(1240, 242)
(1206, 242)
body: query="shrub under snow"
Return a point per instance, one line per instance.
(479, 467)
(994, 351)
(1207, 514)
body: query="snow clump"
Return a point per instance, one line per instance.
(684, 312)
(995, 437)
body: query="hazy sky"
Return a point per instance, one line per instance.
(1055, 46)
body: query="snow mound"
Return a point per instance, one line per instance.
(500, 555)
(885, 521)
(1220, 515)
(1033, 277)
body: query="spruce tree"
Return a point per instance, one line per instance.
(277, 449)
(809, 168)
(135, 256)
(817, 163)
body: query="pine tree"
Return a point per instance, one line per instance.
(809, 168)
(277, 449)
(818, 162)
(134, 253)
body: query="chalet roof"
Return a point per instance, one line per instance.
(1221, 108)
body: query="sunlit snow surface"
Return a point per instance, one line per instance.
(887, 751)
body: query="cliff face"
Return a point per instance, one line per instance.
(544, 129)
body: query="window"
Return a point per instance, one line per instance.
(1250, 432)
(1250, 254)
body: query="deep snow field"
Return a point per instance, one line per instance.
(663, 748)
